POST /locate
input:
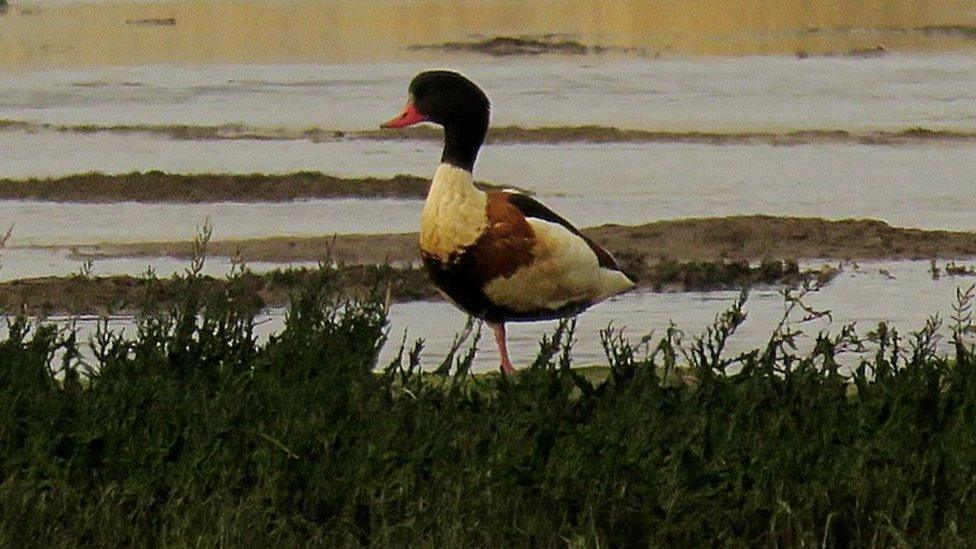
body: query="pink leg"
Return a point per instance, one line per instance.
(499, 330)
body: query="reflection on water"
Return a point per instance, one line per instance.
(198, 32)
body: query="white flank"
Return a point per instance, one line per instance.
(564, 270)
(454, 214)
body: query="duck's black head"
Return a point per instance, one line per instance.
(450, 100)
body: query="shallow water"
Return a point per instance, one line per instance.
(928, 186)
(53, 224)
(922, 184)
(16, 263)
(900, 293)
(735, 94)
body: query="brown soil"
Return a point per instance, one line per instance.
(737, 238)
(157, 186)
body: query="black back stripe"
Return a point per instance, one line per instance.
(531, 207)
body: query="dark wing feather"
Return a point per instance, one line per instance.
(531, 207)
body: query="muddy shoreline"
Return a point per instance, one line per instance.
(734, 238)
(666, 256)
(670, 256)
(125, 294)
(527, 46)
(161, 187)
(512, 134)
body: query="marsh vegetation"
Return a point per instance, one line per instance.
(189, 431)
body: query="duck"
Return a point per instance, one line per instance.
(499, 256)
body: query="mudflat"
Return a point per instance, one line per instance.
(734, 238)
(155, 187)
(509, 134)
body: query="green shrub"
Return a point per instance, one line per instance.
(190, 432)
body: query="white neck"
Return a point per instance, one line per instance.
(454, 214)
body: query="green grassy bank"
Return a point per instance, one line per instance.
(188, 432)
